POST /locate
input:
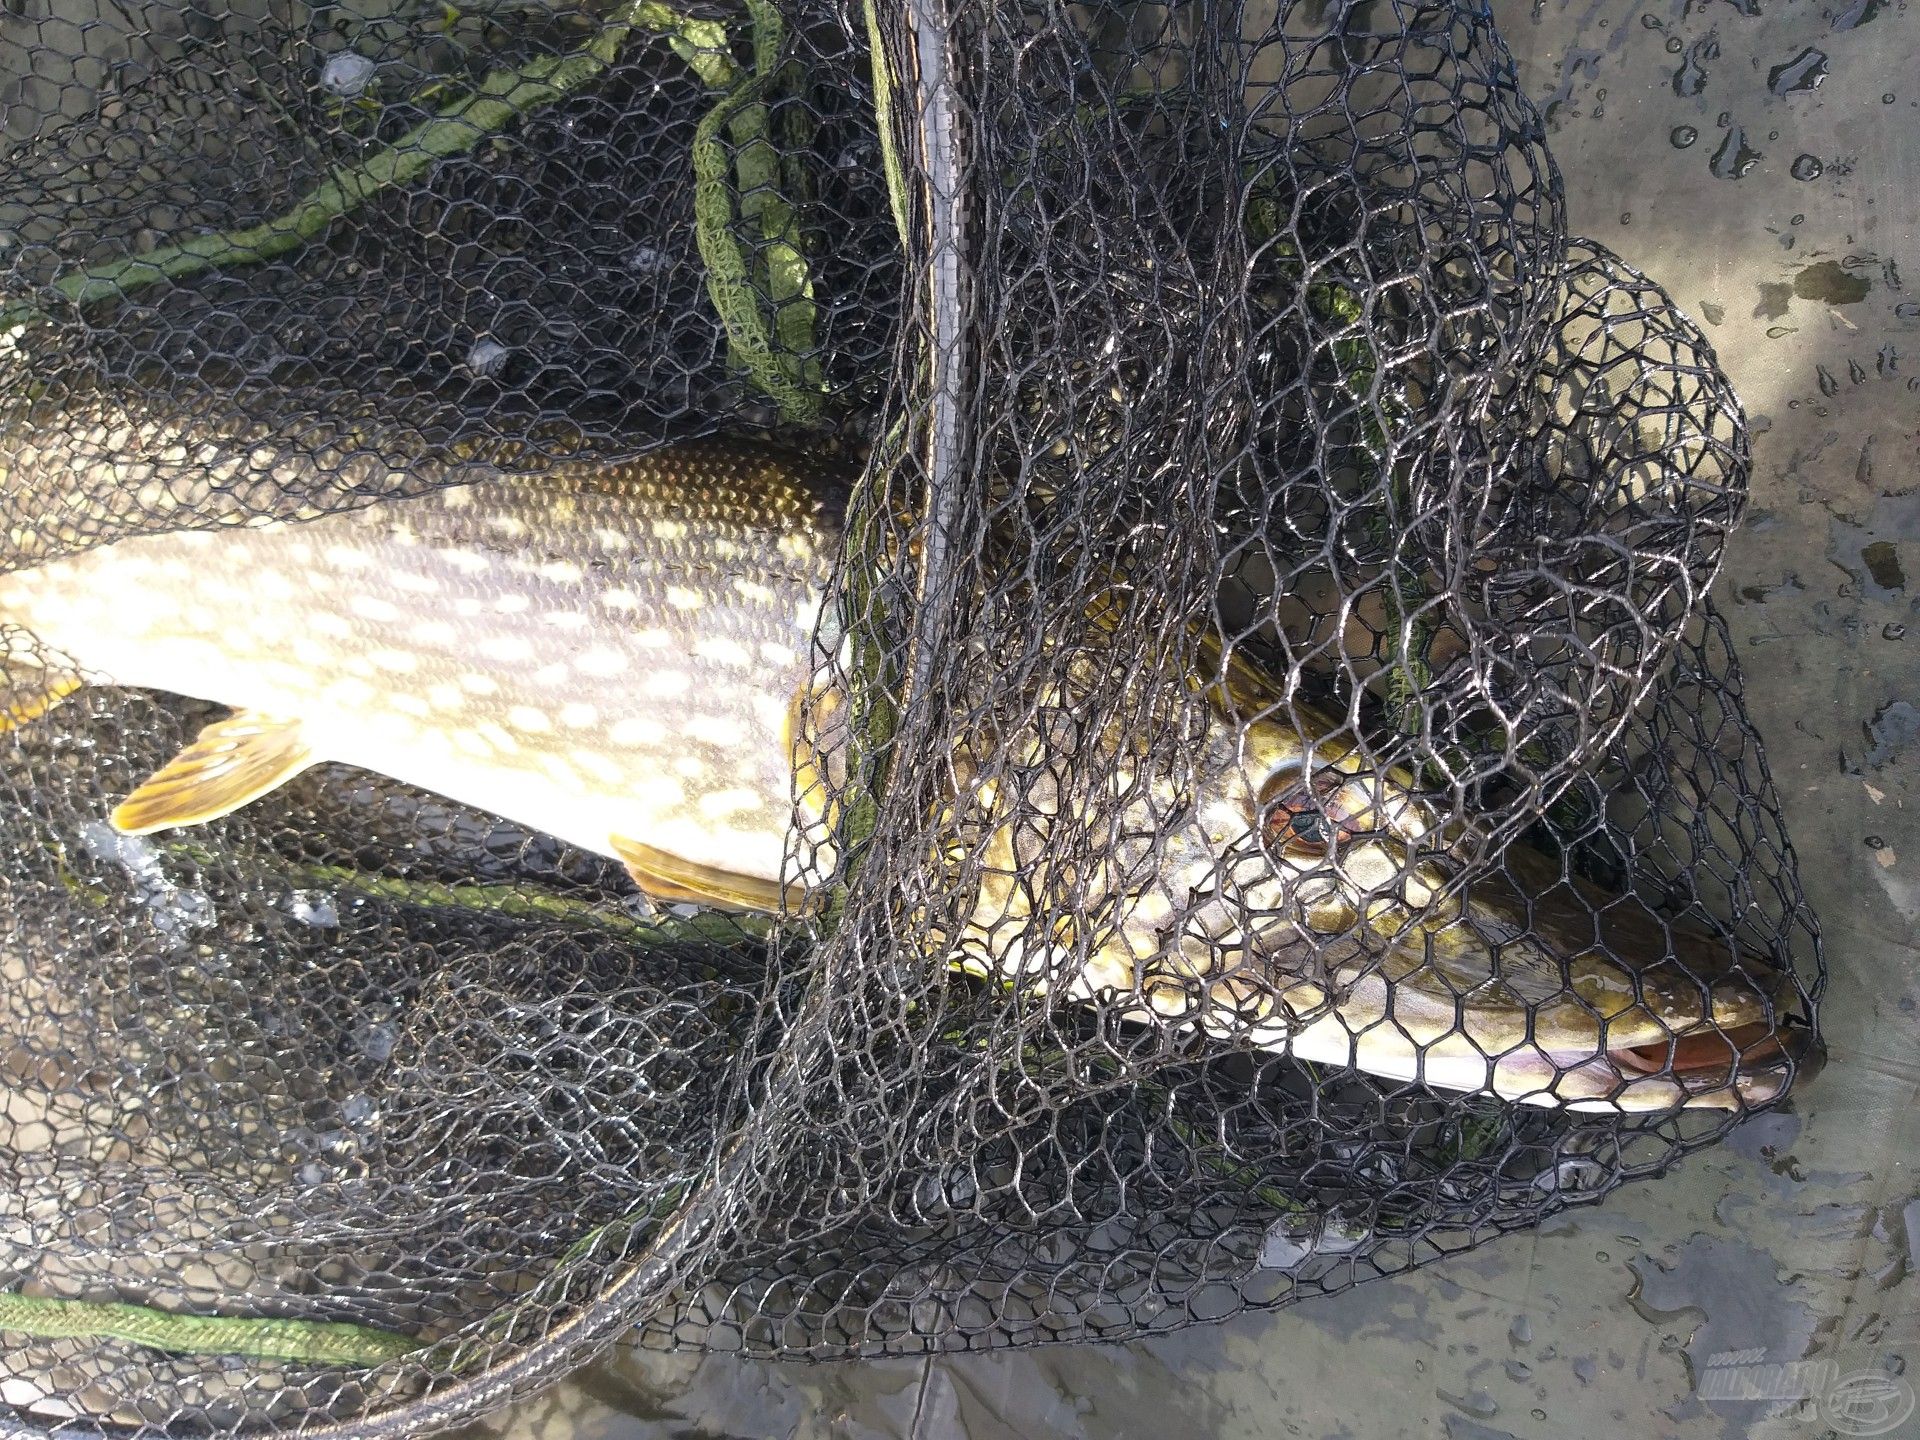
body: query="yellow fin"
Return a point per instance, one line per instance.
(32, 703)
(232, 761)
(673, 880)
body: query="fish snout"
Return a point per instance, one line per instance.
(1684, 1014)
(1730, 1068)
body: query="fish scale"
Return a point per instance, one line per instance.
(603, 650)
(619, 654)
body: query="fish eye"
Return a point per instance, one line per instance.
(1304, 818)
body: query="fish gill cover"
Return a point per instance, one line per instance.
(1270, 797)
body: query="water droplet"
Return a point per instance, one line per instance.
(1683, 136)
(1626, 217)
(1804, 71)
(188, 910)
(1573, 1174)
(1538, 1413)
(1887, 99)
(1910, 310)
(1875, 842)
(1475, 1402)
(942, 1194)
(377, 1040)
(1674, 45)
(347, 74)
(315, 908)
(1806, 167)
(1281, 1249)
(1520, 1332)
(1652, 22)
(1733, 159)
(1691, 77)
(487, 357)
(1798, 220)
(1519, 1371)
(1292, 1240)
(1856, 14)
(1894, 631)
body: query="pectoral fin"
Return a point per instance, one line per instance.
(674, 880)
(232, 761)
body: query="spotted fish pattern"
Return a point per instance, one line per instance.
(631, 656)
(614, 654)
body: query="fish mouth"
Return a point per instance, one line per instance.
(1542, 989)
(1652, 1014)
(1748, 1064)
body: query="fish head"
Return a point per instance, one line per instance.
(1358, 927)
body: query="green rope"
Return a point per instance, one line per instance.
(790, 374)
(309, 1342)
(501, 97)
(872, 678)
(521, 902)
(703, 44)
(758, 166)
(884, 86)
(516, 902)
(779, 358)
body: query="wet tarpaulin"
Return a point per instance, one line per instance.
(1291, 813)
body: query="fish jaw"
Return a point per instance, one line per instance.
(1373, 962)
(1691, 1028)
(1398, 1035)
(1651, 1014)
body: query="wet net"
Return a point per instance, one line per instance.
(1272, 800)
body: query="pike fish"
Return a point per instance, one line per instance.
(624, 655)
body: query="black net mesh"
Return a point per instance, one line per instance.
(1264, 799)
